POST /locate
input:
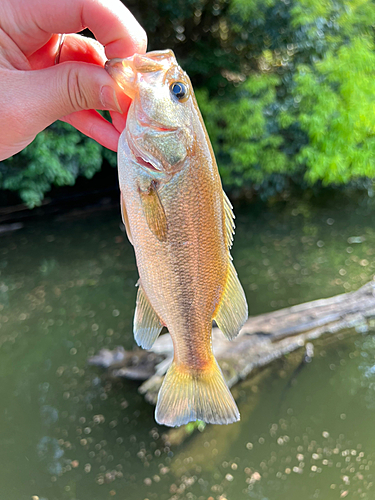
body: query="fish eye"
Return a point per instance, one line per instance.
(179, 90)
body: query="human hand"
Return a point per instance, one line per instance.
(35, 91)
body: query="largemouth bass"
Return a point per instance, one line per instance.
(180, 223)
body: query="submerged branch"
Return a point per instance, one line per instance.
(262, 339)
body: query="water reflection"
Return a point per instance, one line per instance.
(365, 382)
(305, 450)
(68, 431)
(49, 450)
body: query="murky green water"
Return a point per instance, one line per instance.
(67, 432)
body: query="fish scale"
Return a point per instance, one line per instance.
(180, 223)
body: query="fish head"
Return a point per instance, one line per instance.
(159, 125)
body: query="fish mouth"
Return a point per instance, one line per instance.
(124, 71)
(142, 157)
(147, 122)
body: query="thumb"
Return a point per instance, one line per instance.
(32, 100)
(68, 87)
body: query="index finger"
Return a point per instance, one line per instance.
(111, 22)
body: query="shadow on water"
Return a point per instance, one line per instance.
(67, 288)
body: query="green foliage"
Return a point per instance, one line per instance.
(246, 149)
(57, 157)
(308, 107)
(336, 93)
(286, 90)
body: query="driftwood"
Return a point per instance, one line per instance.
(262, 339)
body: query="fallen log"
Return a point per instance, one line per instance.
(261, 340)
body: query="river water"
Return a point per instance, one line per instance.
(67, 289)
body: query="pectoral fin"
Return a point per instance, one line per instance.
(154, 212)
(232, 311)
(147, 325)
(125, 218)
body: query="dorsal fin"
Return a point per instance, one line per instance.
(229, 220)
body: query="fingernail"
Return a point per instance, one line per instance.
(109, 99)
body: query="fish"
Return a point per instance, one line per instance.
(180, 223)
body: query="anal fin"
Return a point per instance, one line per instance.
(232, 311)
(147, 325)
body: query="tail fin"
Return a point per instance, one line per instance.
(185, 397)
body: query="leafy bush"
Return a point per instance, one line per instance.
(286, 90)
(57, 157)
(337, 108)
(247, 148)
(308, 109)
